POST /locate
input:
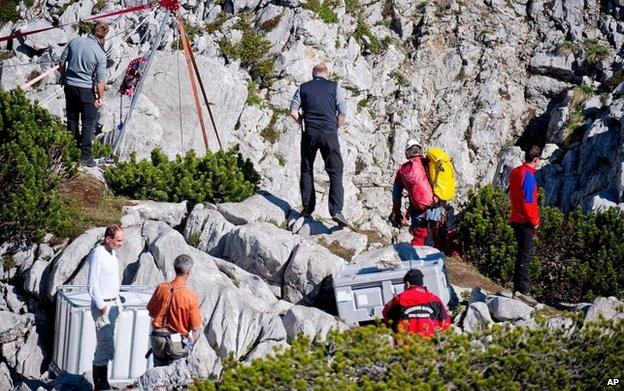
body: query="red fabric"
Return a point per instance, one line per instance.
(414, 179)
(417, 311)
(419, 236)
(523, 200)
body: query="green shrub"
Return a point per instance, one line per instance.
(252, 50)
(99, 149)
(365, 37)
(577, 257)
(36, 153)
(8, 11)
(503, 358)
(595, 51)
(573, 128)
(616, 79)
(270, 133)
(580, 94)
(218, 177)
(568, 47)
(324, 10)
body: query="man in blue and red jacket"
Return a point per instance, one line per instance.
(524, 220)
(416, 310)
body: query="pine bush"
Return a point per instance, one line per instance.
(36, 153)
(224, 176)
(502, 358)
(577, 257)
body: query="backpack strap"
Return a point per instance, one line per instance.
(171, 292)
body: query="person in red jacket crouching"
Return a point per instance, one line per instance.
(524, 220)
(416, 310)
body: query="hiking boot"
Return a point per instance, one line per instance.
(340, 219)
(527, 299)
(88, 163)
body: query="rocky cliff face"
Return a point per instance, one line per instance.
(473, 77)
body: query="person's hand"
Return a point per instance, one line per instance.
(396, 219)
(103, 310)
(99, 102)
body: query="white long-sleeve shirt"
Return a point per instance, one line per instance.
(103, 276)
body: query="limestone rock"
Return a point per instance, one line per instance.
(257, 208)
(6, 383)
(311, 322)
(348, 239)
(168, 212)
(14, 326)
(207, 229)
(605, 307)
(308, 272)
(477, 296)
(477, 318)
(30, 356)
(262, 249)
(72, 256)
(507, 309)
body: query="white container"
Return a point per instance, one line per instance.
(74, 337)
(362, 291)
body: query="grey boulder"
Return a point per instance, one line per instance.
(257, 208)
(507, 309)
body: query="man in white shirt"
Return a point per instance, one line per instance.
(105, 302)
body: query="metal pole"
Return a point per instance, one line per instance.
(139, 88)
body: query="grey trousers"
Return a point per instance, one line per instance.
(105, 332)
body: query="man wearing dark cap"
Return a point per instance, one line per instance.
(416, 310)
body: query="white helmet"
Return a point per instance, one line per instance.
(411, 142)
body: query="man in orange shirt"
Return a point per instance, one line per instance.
(176, 317)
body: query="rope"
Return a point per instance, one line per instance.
(179, 93)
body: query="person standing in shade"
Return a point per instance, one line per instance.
(83, 73)
(524, 220)
(103, 288)
(176, 317)
(323, 109)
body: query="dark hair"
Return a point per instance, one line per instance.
(100, 29)
(182, 264)
(414, 277)
(532, 153)
(112, 230)
(413, 151)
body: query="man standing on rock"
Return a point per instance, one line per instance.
(524, 220)
(83, 71)
(103, 288)
(324, 109)
(176, 317)
(416, 310)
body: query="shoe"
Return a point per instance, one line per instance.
(527, 299)
(340, 219)
(88, 163)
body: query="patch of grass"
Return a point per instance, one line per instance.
(325, 11)
(270, 24)
(252, 50)
(336, 249)
(365, 37)
(192, 31)
(580, 94)
(8, 11)
(6, 54)
(281, 159)
(270, 133)
(616, 79)
(210, 28)
(508, 144)
(373, 236)
(89, 205)
(33, 74)
(573, 127)
(362, 104)
(442, 6)
(568, 47)
(195, 239)
(252, 95)
(353, 6)
(595, 51)
(8, 262)
(99, 5)
(387, 41)
(400, 78)
(85, 27)
(461, 75)
(422, 6)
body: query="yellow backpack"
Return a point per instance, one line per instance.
(441, 174)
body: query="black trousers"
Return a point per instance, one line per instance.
(327, 143)
(524, 234)
(80, 107)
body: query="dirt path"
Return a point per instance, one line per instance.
(465, 275)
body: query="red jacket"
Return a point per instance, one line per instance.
(412, 176)
(418, 311)
(523, 195)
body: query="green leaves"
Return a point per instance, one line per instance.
(36, 153)
(224, 176)
(503, 357)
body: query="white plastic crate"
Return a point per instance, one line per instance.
(362, 291)
(74, 337)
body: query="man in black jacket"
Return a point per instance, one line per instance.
(323, 106)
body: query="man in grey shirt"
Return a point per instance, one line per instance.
(83, 70)
(324, 108)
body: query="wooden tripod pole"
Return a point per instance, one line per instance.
(189, 64)
(201, 86)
